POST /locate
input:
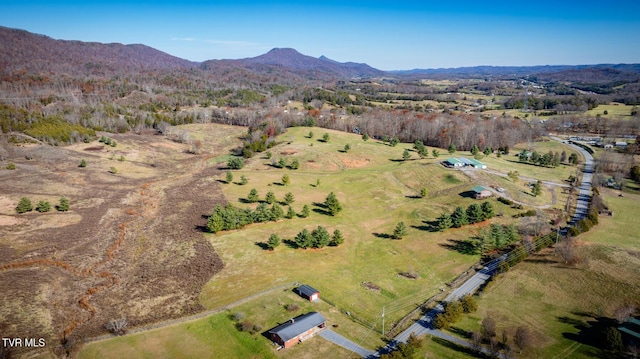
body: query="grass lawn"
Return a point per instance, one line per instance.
(613, 109)
(564, 305)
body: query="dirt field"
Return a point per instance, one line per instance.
(131, 245)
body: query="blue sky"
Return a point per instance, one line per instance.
(389, 35)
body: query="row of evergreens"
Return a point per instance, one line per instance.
(475, 213)
(230, 217)
(25, 205)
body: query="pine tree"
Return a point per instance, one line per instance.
(303, 239)
(83, 163)
(270, 198)
(273, 242)
(365, 137)
(286, 180)
(459, 218)
(288, 198)
(215, 223)
(321, 237)
(444, 221)
(423, 192)
(337, 238)
(243, 180)
(406, 155)
(290, 213)
(435, 153)
(487, 210)
(305, 211)
(24, 205)
(295, 164)
(474, 213)
(64, 204)
(400, 231)
(276, 212)
(452, 148)
(475, 150)
(536, 190)
(229, 177)
(253, 196)
(43, 206)
(325, 137)
(332, 204)
(347, 147)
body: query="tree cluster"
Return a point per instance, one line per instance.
(318, 238)
(475, 213)
(405, 350)
(230, 217)
(25, 205)
(549, 159)
(453, 311)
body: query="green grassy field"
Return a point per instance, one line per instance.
(613, 109)
(377, 191)
(561, 303)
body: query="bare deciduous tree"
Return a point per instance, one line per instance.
(624, 312)
(117, 326)
(523, 338)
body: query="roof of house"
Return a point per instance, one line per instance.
(298, 325)
(306, 290)
(453, 161)
(479, 189)
(465, 160)
(476, 162)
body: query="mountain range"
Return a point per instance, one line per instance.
(21, 50)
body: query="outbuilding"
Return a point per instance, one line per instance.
(453, 162)
(481, 192)
(307, 292)
(297, 329)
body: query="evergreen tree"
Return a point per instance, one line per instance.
(243, 180)
(64, 204)
(474, 213)
(321, 237)
(83, 163)
(262, 213)
(406, 155)
(24, 205)
(347, 147)
(444, 221)
(305, 211)
(459, 217)
(276, 212)
(290, 213)
(288, 198)
(286, 180)
(310, 135)
(295, 164)
(487, 151)
(253, 196)
(43, 206)
(273, 242)
(435, 153)
(400, 231)
(512, 234)
(497, 235)
(282, 162)
(452, 148)
(270, 198)
(475, 150)
(573, 158)
(304, 239)
(487, 210)
(235, 163)
(325, 137)
(423, 192)
(365, 137)
(394, 141)
(337, 238)
(215, 223)
(229, 177)
(332, 204)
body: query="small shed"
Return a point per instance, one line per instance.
(297, 329)
(453, 162)
(307, 292)
(481, 192)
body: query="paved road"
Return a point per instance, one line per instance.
(338, 339)
(584, 196)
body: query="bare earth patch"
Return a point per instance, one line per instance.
(131, 246)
